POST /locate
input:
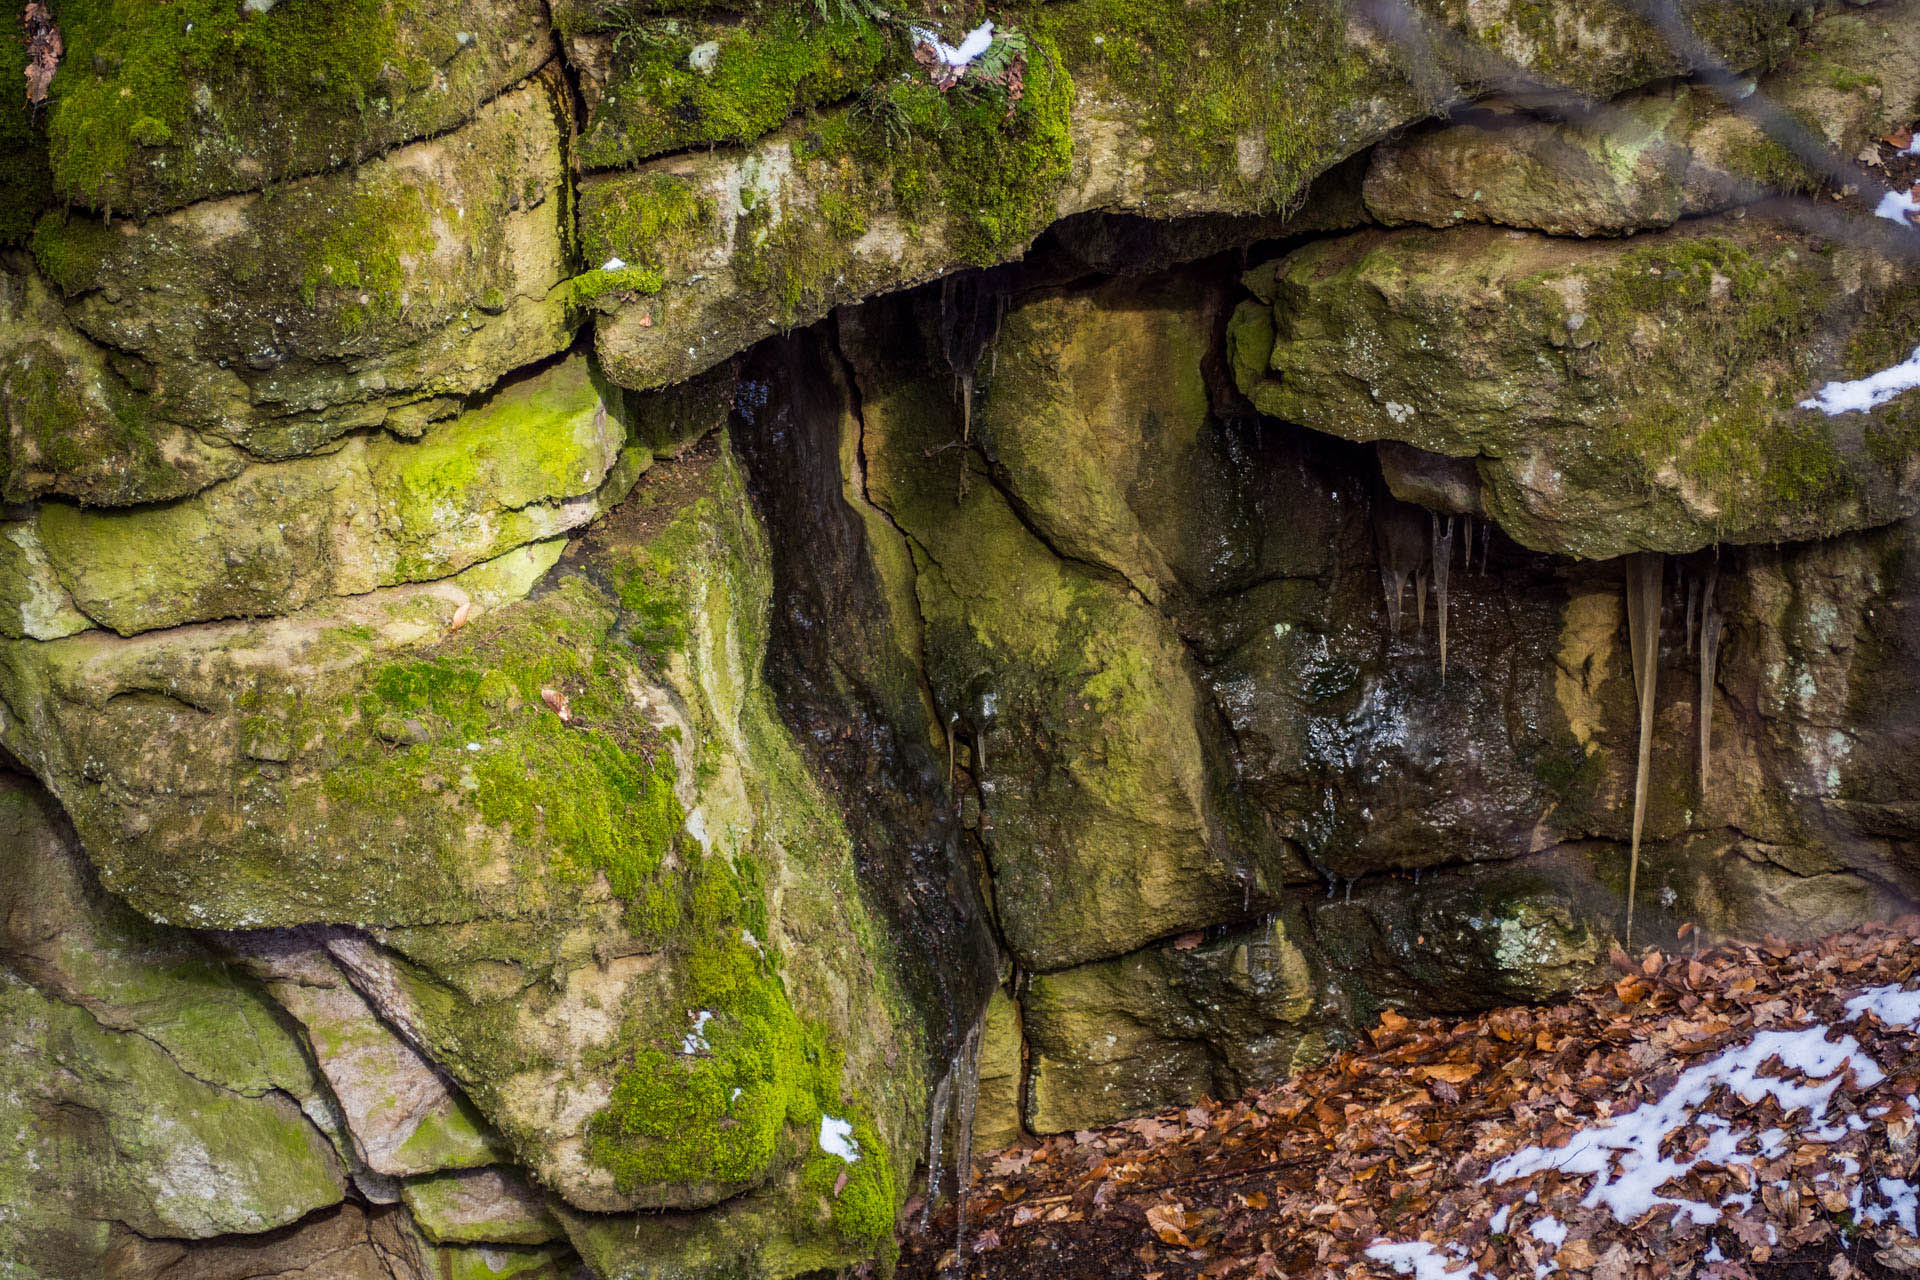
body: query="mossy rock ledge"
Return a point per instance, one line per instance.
(564, 850)
(1613, 395)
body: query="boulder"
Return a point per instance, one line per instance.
(1092, 757)
(1614, 395)
(376, 295)
(1213, 1015)
(534, 458)
(402, 1114)
(479, 1206)
(595, 891)
(141, 1087)
(1647, 159)
(155, 109)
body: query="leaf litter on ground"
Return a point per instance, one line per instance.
(1727, 1115)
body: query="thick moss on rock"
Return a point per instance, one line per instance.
(377, 294)
(533, 459)
(1616, 396)
(1153, 108)
(159, 106)
(26, 181)
(671, 84)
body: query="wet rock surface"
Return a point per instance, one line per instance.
(625, 628)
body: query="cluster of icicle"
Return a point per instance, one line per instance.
(1416, 546)
(1646, 580)
(1421, 551)
(954, 1100)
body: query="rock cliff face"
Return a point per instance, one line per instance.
(620, 624)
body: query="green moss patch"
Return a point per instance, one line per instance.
(127, 83)
(682, 84)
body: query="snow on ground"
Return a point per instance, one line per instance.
(1630, 1157)
(1895, 206)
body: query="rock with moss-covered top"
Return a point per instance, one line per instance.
(598, 889)
(374, 296)
(691, 1033)
(536, 457)
(1614, 396)
(157, 107)
(1154, 108)
(1647, 159)
(197, 732)
(143, 1087)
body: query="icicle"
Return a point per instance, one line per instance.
(1442, 564)
(968, 1065)
(1711, 624)
(1486, 542)
(1466, 543)
(1693, 598)
(1645, 571)
(1348, 897)
(1420, 600)
(937, 1118)
(980, 749)
(1400, 543)
(953, 722)
(1394, 583)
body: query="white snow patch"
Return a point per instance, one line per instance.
(836, 1138)
(1894, 1007)
(1895, 206)
(1622, 1154)
(1418, 1259)
(1865, 393)
(697, 825)
(695, 1041)
(971, 46)
(613, 264)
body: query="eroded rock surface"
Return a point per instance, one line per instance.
(604, 601)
